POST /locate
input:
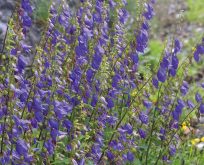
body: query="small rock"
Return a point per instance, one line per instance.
(200, 146)
(201, 120)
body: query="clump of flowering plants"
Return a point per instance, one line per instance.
(81, 100)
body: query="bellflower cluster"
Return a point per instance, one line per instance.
(169, 64)
(25, 15)
(80, 100)
(199, 50)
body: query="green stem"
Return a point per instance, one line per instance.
(152, 129)
(178, 129)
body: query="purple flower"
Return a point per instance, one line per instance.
(97, 17)
(199, 50)
(110, 103)
(110, 155)
(39, 116)
(134, 57)
(172, 72)
(202, 85)
(67, 76)
(49, 146)
(53, 123)
(123, 15)
(81, 50)
(89, 75)
(67, 124)
(112, 3)
(172, 150)
(190, 104)
(96, 150)
(147, 104)
(181, 103)
(82, 162)
(5, 159)
(21, 147)
(96, 61)
(111, 120)
(175, 62)
(142, 133)
(62, 19)
(130, 156)
(178, 110)
(29, 159)
(161, 75)
(142, 39)
(162, 133)
(88, 21)
(69, 147)
(184, 88)
(165, 158)
(74, 101)
(21, 122)
(27, 21)
(13, 52)
(34, 123)
(23, 97)
(72, 29)
(149, 12)
(25, 4)
(54, 134)
(155, 82)
(177, 46)
(143, 118)
(145, 25)
(62, 109)
(37, 104)
(164, 63)
(94, 100)
(116, 145)
(22, 62)
(201, 108)
(198, 97)
(196, 56)
(115, 80)
(1, 113)
(128, 128)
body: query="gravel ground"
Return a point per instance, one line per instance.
(171, 20)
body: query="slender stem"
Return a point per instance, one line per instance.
(166, 125)
(180, 66)
(150, 141)
(152, 129)
(6, 115)
(5, 37)
(8, 93)
(40, 134)
(178, 129)
(112, 136)
(3, 133)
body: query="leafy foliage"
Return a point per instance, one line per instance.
(94, 94)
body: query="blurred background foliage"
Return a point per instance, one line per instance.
(41, 12)
(196, 11)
